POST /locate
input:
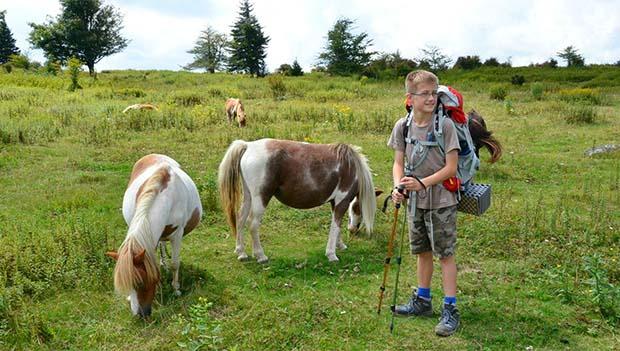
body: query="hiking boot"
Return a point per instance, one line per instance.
(449, 321)
(417, 306)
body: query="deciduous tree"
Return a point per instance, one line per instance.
(85, 29)
(436, 60)
(572, 57)
(209, 51)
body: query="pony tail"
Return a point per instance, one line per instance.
(366, 188)
(494, 147)
(229, 181)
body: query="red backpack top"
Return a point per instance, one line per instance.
(456, 113)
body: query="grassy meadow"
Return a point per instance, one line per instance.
(540, 270)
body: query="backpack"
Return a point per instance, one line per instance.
(449, 105)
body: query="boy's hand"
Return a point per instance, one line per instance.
(398, 194)
(412, 184)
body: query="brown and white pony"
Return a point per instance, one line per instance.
(161, 203)
(234, 109)
(140, 107)
(300, 175)
(483, 137)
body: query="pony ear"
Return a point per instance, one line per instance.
(139, 257)
(112, 254)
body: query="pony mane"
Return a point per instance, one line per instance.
(139, 237)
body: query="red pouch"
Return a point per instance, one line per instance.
(452, 184)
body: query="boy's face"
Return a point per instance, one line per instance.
(424, 98)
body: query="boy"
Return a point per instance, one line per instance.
(431, 212)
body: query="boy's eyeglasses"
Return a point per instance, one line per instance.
(426, 94)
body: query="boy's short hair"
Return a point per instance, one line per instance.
(414, 78)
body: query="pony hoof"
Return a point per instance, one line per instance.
(332, 258)
(342, 247)
(243, 257)
(177, 292)
(262, 260)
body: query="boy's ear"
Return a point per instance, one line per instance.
(112, 254)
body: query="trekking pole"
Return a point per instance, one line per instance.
(388, 258)
(398, 262)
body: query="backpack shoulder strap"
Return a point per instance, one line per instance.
(438, 120)
(408, 121)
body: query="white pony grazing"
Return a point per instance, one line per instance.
(161, 203)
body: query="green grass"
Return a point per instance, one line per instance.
(525, 267)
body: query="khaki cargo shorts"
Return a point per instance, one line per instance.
(443, 231)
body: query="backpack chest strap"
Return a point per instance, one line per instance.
(413, 141)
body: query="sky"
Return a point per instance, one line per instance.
(522, 32)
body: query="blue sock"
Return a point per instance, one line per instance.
(424, 293)
(450, 300)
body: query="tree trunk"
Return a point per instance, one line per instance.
(91, 69)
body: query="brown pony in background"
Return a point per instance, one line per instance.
(234, 108)
(482, 137)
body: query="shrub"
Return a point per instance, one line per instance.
(581, 95)
(187, 99)
(517, 79)
(579, 114)
(276, 85)
(510, 109)
(537, 90)
(20, 61)
(130, 93)
(75, 67)
(53, 67)
(498, 92)
(605, 295)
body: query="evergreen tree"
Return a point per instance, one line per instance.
(296, 69)
(7, 42)
(248, 45)
(345, 53)
(210, 51)
(85, 29)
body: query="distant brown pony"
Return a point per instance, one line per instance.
(300, 175)
(483, 137)
(140, 107)
(234, 109)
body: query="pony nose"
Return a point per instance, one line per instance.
(145, 311)
(354, 228)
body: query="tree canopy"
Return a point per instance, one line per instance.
(345, 53)
(432, 58)
(7, 42)
(85, 29)
(572, 57)
(248, 45)
(468, 62)
(209, 51)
